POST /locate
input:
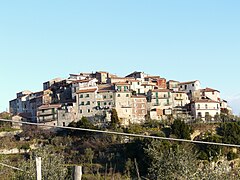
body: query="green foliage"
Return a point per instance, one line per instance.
(85, 123)
(217, 117)
(135, 129)
(210, 152)
(114, 118)
(52, 166)
(208, 117)
(180, 129)
(88, 155)
(230, 132)
(82, 123)
(170, 161)
(231, 156)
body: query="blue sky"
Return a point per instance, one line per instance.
(181, 40)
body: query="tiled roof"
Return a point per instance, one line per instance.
(148, 85)
(189, 82)
(209, 90)
(173, 81)
(86, 90)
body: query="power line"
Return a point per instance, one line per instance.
(12, 167)
(125, 134)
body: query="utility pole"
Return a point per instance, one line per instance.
(38, 168)
(77, 173)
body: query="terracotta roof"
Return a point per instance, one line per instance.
(132, 80)
(209, 90)
(161, 90)
(86, 90)
(105, 86)
(188, 82)
(148, 85)
(173, 81)
(48, 106)
(106, 90)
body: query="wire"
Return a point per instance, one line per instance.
(15, 168)
(125, 134)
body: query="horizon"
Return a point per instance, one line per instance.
(176, 40)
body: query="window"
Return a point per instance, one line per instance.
(80, 111)
(192, 85)
(87, 95)
(109, 103)
(217, 106)
(82, 103)
(105, 103)
(199, 106)
(88, 103)
(89, 110)
(206, 106)
(213, 93)
(118, 95)
(185, 86)
(111, 96)
(125, 88)
(199, 115)
(81, 96)
(119, 88)
(104, 97)
(64, 124)
(127, 95)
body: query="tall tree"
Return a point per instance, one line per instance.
(181, 129)
(114, 118)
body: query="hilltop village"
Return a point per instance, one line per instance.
(136, 97)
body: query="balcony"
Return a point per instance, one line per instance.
(178, 98)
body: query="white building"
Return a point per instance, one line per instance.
(212, 94)
(136, 85)
(205, 107)
(189, 87)
(180, 99)
(83, 84)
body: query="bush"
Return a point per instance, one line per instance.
(231, 156)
